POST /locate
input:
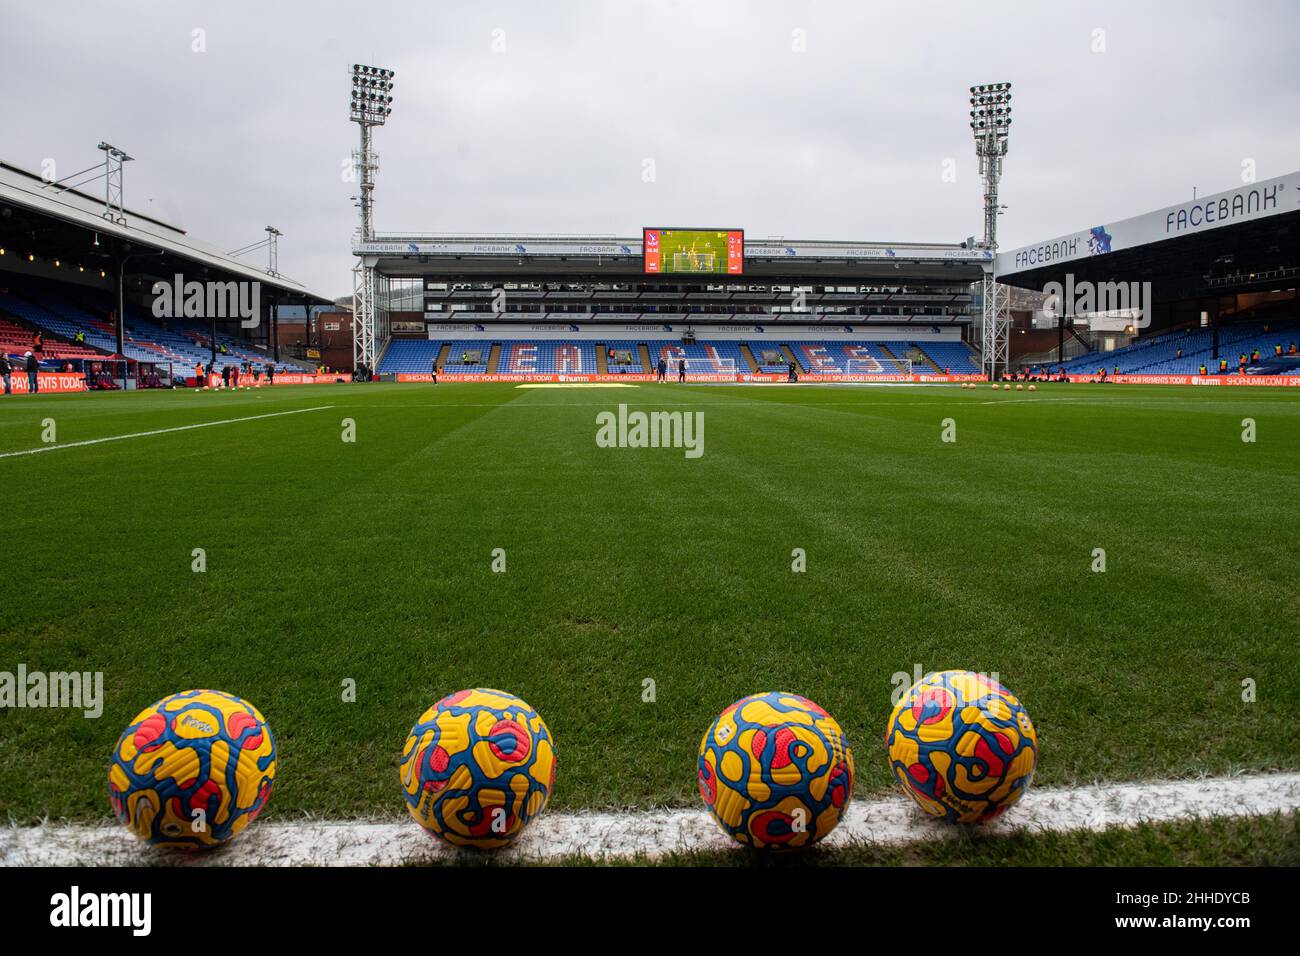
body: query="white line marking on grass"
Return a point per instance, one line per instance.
(157, 431)
(752, 403)
(553, 836)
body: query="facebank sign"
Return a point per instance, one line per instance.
(1250, 202)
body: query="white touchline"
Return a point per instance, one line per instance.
(552, 836)
(157, 431)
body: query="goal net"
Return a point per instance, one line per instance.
(703, 366)
(693, 261)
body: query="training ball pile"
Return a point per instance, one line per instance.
(962, 746)
(477, 767)
(193, 770)
(775, 770)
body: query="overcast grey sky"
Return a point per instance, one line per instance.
(537, 116)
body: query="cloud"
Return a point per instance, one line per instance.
(536, 117)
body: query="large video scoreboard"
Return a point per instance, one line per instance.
(693, 251)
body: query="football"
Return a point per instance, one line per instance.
(477, 767)
(776, 771)
(192, 770)
(962, 746)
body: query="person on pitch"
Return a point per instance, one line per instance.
(681, 370)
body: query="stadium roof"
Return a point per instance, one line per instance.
(408, 254)
(1238, 240)
(21, 190)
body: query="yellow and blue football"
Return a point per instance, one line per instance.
(962, 746)
(477, 767)
(776, 771)
(192, 770)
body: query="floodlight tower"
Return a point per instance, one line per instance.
(273, 250)
(372, 102)
(990, 121)
(114, 158)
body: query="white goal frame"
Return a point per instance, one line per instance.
(705, 262)
(701, 366)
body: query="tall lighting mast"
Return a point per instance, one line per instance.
(371, 104)
(990, 122)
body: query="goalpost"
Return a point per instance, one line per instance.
(693, 262)
(703, 366)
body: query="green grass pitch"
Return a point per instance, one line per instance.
(372, 561)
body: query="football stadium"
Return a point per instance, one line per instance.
(616, 539)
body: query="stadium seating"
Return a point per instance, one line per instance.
(409, 356)
(758, 348)
(1159, 355)
(548, 358)
(839, 358)
(625, 346)
(455, 358)
(16, 341)
(702, 358)
(957, 357)
(561, 357)
(65, 310)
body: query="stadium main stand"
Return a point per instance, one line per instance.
(66, 310)
(561, 357)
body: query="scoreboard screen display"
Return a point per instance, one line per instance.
(694, 251)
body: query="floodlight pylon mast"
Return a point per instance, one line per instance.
(273, 250)
(114, 201)
(370, 106)
(990, 122)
